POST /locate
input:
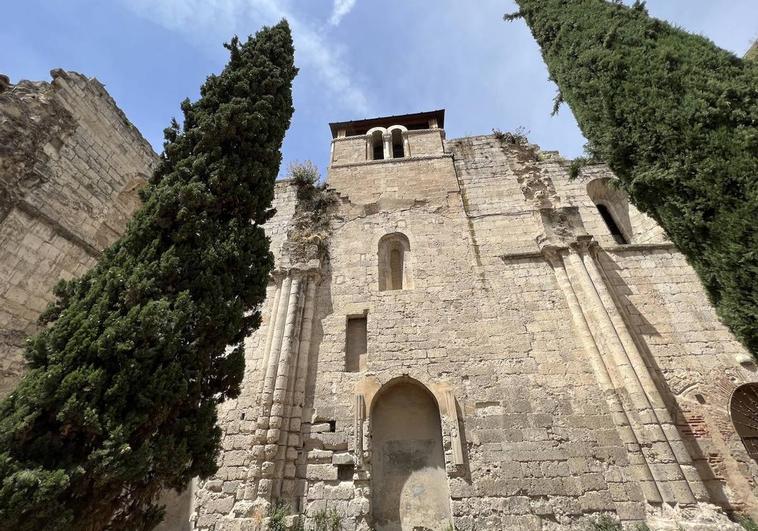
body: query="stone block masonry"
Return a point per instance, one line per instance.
(521, 370)
(71, 164)
(485, 344)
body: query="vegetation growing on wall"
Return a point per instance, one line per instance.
(676, 118)
(311, 224)
(120, 398)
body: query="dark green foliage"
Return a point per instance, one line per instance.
(121, 394)
(676, 118)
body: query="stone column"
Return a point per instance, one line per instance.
(638, 465)
(272, 326)
(456, 445)
(280, 312)
(289, 439)
(276, 388)
(387, 145)
(359, 417)
(663, 463)
(643, 372)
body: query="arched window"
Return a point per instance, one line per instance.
(613, 227)
(394, 262)
(398, 149)
(743, 408)
(375, 140)
(613, 206)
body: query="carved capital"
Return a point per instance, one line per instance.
(584, 244)
(552, 253)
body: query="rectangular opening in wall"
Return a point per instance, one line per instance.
(356, 344)
(345, 472)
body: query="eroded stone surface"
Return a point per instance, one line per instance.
(565, 367)
(571, 376)
(70, 167)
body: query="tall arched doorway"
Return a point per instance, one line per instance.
(408, 479)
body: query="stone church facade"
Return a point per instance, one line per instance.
(488, 345)
(478, 342)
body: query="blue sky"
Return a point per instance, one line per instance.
(357, 58)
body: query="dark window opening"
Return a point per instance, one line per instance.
(397, 151)
(378, 151)
(613, 227)
(345, 472)
(356, 344)
(396, 268)
(332, 425)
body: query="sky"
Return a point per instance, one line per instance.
(357, 58)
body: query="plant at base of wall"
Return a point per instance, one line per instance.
(604, 522)
(326, 520)
(747, 522)
(276, 517)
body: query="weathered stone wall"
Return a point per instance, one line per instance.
(70, 167)
(566, 367)
(568, 374)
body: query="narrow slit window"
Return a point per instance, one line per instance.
(356, 345)
(613, 227)
(396, 268)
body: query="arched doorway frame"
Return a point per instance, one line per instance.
(369, 390)
(409, 448)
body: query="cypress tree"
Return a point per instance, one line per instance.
(676, 119)
(120, 398)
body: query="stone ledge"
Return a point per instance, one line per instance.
(388, 161)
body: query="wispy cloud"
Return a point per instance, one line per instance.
(340, 9)
(209, 21)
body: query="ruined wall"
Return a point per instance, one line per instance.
(70, 167)
(566, 368)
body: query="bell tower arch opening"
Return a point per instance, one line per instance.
(376, 143)
(409, 483)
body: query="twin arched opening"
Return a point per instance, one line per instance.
(385, 143)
